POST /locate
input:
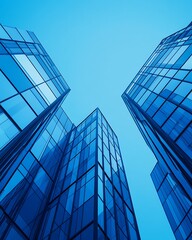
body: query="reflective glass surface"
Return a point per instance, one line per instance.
(159, 99)
(59, 181)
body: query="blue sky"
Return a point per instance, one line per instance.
(99, 46)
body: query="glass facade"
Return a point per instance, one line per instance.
(58, 180)
(160, 101)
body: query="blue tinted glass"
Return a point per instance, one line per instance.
(6, 89)
(3, 33)
(24, 48)
(25, 35)
(53, 88)
(18, 108)
(33, 101)
(39, 97)
(44, 64)
(189, 77)
(13, 72)
(185, 141)
(177, 122)
(87, 234)
(40, 145)
(7, 129)
(14, 33)
(13, 182)
(42, 180)
(89, 190)
(187, 103)
(155, 106)
(2, 50)
(181, 74)
(46, 93)
(183, 57)
(32, 35)
(148, 101)
(13, 234)
(164, 112)
(161, 85)
(169, 88)
(39, 68)
(12, 47)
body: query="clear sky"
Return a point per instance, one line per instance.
(99, 46)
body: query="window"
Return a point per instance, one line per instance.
(17, 108)
(6, 89)
(42, 180)
(45, 91)
(148, 101)
(161, 85)
(183, 57)
(180, 92)
(3, 33)
(169, 88)
(13, 73)
(14, 234)
(33, 101)
(155, 106)
(185, 141)
(29, 69)
(188, 64)
(12, 47)
(178, 54)
(39, 68)
(14, 33)
(13, 182)
(164, 112)
(25, 35)
(7, 129)
(177, 122)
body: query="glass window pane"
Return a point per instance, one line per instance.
(12, 47)
(184, 57)
(13, 182)
(3, 33)
(53, 88)
(6, 89)
(25, 35)
(178, 54)
(2, 50)
(180, 92)
(33, 101)
(14, 234)
(29, 69)
(39, 68)
(33, 37)
(164, 112)
(155, 106)
(7, 129)
(189, 77)
(185, 141)
(17, 108)
(169, 88)
(13, 72)
(14, 33)
(42, 180)
(177, 122)
(46, 93)
(188, 64)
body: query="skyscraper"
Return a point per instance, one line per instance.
(160, 101)
(58, 180)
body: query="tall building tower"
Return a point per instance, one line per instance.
(160, 101)
(58, 180)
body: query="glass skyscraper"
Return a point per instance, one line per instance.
(160, 101)
(58, 180)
